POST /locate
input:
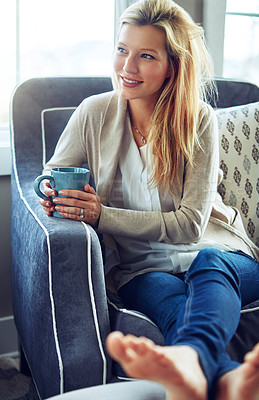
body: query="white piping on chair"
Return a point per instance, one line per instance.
(90, 283)
(248, 310)
(124, 378)
(131, 312)
(93, 304)
(43, 129)
(60, 362)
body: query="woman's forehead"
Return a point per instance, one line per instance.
(144, 36)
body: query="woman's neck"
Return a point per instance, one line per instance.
(140, 115)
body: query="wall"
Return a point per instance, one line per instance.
(214, 26)
(5, 275)
(211, 15)
(8, 339)
(194, 8)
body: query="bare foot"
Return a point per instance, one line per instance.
(177, 368)
(243, 382)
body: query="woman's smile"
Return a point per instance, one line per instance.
(127, 82)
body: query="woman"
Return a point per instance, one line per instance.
(174, 251)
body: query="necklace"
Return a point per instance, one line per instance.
(143, 139)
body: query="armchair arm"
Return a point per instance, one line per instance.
(59, 297)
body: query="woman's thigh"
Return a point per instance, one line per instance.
(247, 269)
(241, 270)
(158, 295)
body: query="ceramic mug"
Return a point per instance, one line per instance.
(63, 178)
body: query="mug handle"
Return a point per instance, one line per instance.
(37, 183)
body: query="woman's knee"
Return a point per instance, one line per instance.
(213, 265)
(211, 259)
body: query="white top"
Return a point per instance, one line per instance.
(131, 191)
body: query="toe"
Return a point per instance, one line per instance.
(116, 347)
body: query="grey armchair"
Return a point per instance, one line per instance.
(62, 309)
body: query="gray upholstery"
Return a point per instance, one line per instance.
(59, 296)
(137, 390)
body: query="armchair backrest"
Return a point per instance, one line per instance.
(235, 93)
(40, 110)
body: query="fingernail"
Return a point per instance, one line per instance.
(57, 208)
(55, 200)
(61, 192)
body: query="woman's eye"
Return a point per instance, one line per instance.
(147, 56)
(121, 50)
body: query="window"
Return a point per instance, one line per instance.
(53, 38)
(7, 65)
(241, 49)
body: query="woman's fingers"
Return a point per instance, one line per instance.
(81, 206)
(76, 194)
(78, 199)
(71, 202)
(80, 214)
(74, 204)
(49, 192)
(89, 189)
(48, 206)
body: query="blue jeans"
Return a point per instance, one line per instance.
(200, 309)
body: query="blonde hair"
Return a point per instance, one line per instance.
(176, 115)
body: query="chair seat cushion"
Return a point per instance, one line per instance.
(138, 324)
(246, 335)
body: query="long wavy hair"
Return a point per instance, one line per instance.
(176, 115)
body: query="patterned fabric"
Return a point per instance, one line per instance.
(239, 161)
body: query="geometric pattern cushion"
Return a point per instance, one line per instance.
(239, 161)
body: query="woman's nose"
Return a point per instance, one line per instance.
(131, 65)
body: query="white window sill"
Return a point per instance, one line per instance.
(5, 151)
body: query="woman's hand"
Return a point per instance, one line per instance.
(49, 192)
(83, 205)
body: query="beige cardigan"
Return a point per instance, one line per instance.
(94, 134)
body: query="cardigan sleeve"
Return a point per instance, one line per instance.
(188, 222)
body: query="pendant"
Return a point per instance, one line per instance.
(142, 138)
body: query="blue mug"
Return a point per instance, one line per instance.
(63, 178)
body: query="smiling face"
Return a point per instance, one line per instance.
(141, 62)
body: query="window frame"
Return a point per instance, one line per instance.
(5, 150)
(214, 25)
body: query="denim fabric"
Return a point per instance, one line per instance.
(203, 309)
